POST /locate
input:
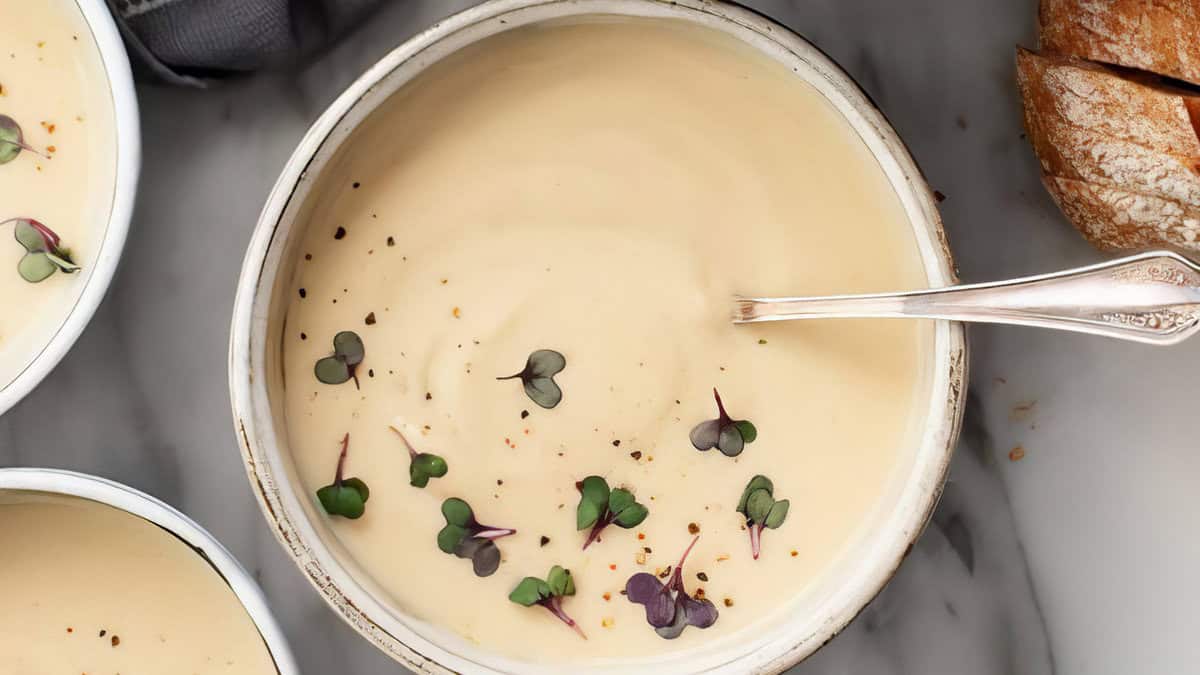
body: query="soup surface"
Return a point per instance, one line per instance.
(53, 86)
(601, 189)
(91, 589)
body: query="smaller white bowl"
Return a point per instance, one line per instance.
(128, 159)
(124, 498)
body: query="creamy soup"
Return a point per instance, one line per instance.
(91, 589)
(599, 189)
(53, 87)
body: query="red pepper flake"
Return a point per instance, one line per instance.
(613, 567)
(445, 281)
(70, 630)
(526, 432)
(1016, 454)
(729, 602)
(116, 641)
(51, 148)
(428, 396)
(308, 256)
(456, 312)
(103, 632)
(641, 536)
(699, 594)
(607, 597)
(693, 528)
(524, 414)
(370, 320)
(795, 553)
(616, 444)
(636, 454)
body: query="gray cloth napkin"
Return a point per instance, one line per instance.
(190, 41)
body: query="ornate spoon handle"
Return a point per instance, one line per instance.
(1151, 297)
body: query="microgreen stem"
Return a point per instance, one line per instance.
(26, 146)
(597, 528)
(512, 377)
(337, 478)
(411, 451)
(755, 540)
(554, 604)
(720, 406)
(494, 533)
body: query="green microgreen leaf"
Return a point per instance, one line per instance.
(43, 254)
(776, 515)
(538, 377)
(529, 592)
(422, 465)
(728, 435)
(346, 497)
(761, 510)
(558, 584)
(348, 352)
(465, 537)
(600, 507)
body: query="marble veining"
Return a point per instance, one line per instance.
(1076, 558)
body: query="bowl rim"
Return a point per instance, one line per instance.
(139, 504)
(248, 373)
(128, 162)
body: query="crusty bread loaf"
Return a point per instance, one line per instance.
(1159, 36)
(1119, 151)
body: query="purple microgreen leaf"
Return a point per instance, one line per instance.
(730, 442)
(645, 589)
(706, 435)
(538, 377)
(465, 537)
(724, 433)
(43, 255)
(669, 609)
(700, 613)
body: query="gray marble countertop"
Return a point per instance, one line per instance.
(1078, 558)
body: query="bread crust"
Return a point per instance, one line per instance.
(1110, 140)
(1159, 36)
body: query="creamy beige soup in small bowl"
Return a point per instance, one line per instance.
(68, 169)
(482, 362)
(99, 578)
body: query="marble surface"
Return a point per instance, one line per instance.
(1079, 558)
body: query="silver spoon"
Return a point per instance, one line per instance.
(1150, 297)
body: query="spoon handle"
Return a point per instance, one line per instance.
(1150, 297)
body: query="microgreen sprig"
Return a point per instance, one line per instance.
(346, 497)
(464, 537)
(538, 377)
(600, 507)
(549, 594)
(44, 253)
(348, 352)
(12, 140)
(724, 433)
(669, 608)
(761, 509)
(422, 465)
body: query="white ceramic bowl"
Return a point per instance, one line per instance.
(256, 381)
(116, 495)
(97, 276)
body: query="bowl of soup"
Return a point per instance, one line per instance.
(101, 578)
(69, 155)
(483, 370)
